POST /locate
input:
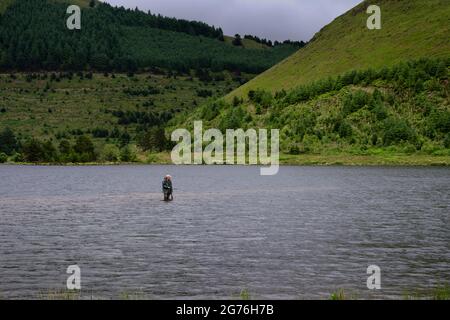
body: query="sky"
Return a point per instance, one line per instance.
(271, 19)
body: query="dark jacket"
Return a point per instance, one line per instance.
(167, 185)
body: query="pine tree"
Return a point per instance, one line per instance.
(237, 40)
(8, 141)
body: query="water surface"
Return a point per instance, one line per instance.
(298, 235)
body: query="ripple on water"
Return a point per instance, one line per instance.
(301, 234)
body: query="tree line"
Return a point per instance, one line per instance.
(33, 36)
(81, 148)
(402, 107)
(270, 43)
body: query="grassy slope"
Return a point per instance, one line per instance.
(358, 149)
(247, 43)
(410, 29)
(80, 104)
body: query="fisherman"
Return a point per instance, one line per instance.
(167, 188)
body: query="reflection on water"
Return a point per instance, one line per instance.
(300, 234)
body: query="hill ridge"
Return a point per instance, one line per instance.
(410, 30)
(33, 37)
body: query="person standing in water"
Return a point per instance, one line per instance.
(167, 188)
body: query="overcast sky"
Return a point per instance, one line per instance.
(272, 19)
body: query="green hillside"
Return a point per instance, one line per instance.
(87, 95)
(376, 115)
(34, 36)
(114, 111)
(353, 92)
(351, 96)
(411, 29)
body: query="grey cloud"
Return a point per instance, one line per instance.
(273, 19)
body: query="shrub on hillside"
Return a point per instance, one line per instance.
(153, 139)
(305, 121)
(66, 152)
(380, 111)
(398, 130)
(352, 102)
(237, 101)
(100, 133)
(37, 151)
(211, 110)
(233, 119)
(3, 157)
(261, 97)
(204, 93)
(439, 122)
(85, 149)
(128, 154)
(8, 141)
(447, 141)
(110, 153)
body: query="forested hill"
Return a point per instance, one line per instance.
(34, 36)
(352, 90)
(411, 29)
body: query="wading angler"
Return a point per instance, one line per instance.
(237, 142)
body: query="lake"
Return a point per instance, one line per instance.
(301, 234)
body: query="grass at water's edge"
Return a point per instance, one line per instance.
(299, 160)
(366, 160)
(440, 292)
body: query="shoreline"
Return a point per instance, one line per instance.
(394, 160)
